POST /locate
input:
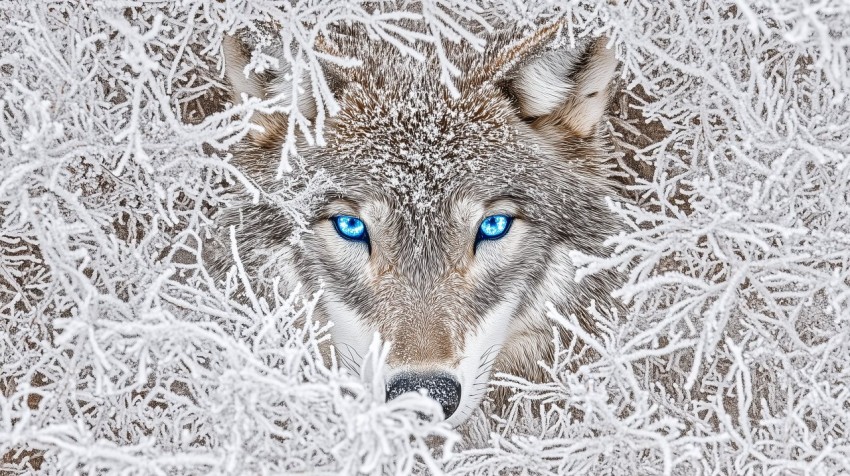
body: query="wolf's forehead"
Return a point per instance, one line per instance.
(422, 147)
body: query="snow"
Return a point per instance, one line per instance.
(120, 354)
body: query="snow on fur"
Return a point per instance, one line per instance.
(118, 353)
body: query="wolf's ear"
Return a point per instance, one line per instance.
(270, 83)
(567, 88)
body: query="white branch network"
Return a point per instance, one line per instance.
(120, 354)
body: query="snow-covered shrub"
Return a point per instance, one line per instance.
(118, 352)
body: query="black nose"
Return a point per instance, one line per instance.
(441, 387)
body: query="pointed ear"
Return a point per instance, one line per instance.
(567, 88)
(273, 82)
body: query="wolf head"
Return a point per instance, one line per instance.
(448, 220)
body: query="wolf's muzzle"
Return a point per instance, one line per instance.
(443, 388)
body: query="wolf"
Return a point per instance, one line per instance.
(442, 221)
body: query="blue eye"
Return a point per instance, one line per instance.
(494, 227)
(350, 228)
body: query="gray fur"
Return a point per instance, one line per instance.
(420, 167)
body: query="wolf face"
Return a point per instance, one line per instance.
(447, 222)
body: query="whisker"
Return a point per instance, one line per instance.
(352, 349)
(489, 350)
(348, 360)
(485, 367)
(345, 361)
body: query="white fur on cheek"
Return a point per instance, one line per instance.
(479, 353)
(482, 347)
(350, 337)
